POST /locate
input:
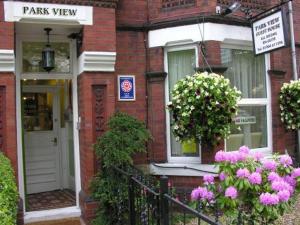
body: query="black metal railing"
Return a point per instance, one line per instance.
(150, 202)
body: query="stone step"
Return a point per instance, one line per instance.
(70, 221)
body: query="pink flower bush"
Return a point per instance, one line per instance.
(296, 172)
(231, 192)
(244, 149)
(268, 199)
(242, 173)
(208, 179)
(284, 195)
(202, 194)
(286, 160)
(250, 182)
(270, 165)
(255, 178)
(222, 176)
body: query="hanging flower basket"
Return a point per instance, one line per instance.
(202, 108)
(289, 100)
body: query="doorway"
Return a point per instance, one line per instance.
(48, 144)
(47, 123)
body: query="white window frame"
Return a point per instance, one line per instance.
(177, 159)
(258, 101)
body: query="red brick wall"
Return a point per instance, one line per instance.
(129, 12)
(157, 14)
(92, 111)
(101, 36)
(86, 83)
(8, 117)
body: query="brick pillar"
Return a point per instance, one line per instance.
(157, 116)
(96, 93)
(8, 127)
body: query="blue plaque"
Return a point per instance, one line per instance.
(126, 86)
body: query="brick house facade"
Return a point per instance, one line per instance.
(139, 38)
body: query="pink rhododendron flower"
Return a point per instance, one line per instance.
(290, 180)
(268, 199)
(296, 172)
(255, 178)
(282, 185)
(208, 179)
(270, 165)
(257, 155)
(222, 176)
(242, 173)
(220, 156)
(258, 170)
(284, 195)
(286, 160)
(231, 192)
(273, 176)
(201, 193)
(244, 149)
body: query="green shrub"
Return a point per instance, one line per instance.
(126, 136)
(8, 193)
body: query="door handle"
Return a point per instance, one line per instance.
(54, 141)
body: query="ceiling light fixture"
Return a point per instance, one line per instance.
(48, 54)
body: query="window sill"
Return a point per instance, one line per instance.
(182, 169)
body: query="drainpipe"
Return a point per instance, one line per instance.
(294, 61)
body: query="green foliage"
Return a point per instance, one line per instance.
(202, 108)
(289, 100)
(8, 193)
(126, 136)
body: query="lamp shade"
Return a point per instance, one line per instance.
(48, 58)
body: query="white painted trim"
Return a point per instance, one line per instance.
(97, 61)
(269, 105)
(76, 120)
(168, 126)
(183, 169)
(14, 12)
(7, 60)
(211, 31)
(53, 214)
(19, 123)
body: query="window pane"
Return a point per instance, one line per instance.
(38, 114)
(249, 128)
(32, 57)
(245, 71)
(180, 64)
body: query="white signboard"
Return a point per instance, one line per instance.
(242, 120)
(25, 11)
(268, 33)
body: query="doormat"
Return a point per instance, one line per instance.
(51, 200)
(71, 221)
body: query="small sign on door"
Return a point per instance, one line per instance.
(126, 87)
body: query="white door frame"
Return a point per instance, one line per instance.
(56, 213)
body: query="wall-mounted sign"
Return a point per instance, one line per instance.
(243, 120)
(126, 87)
(25, 11)
(269, 33)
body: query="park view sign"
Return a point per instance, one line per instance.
(269, 33)
(24, 11)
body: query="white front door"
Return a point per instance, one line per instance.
(41, 138)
